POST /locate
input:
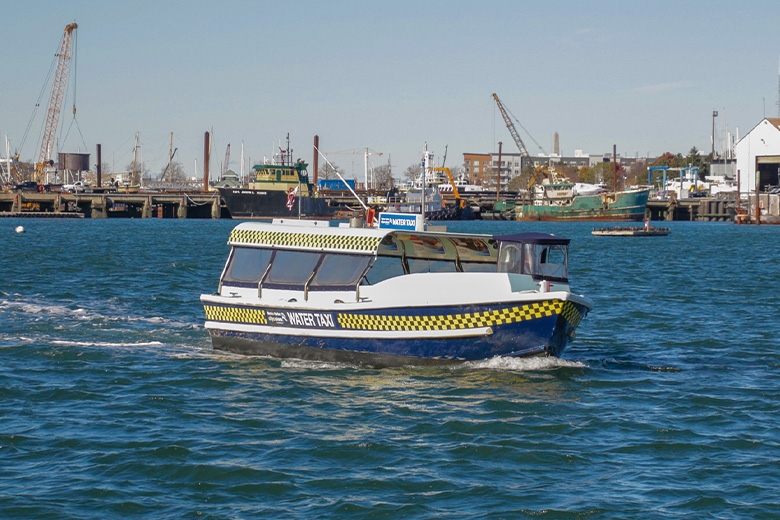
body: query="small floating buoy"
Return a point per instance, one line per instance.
(19, 229)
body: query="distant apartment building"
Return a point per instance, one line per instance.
(482, 168)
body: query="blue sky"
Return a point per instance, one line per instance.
(390, 76)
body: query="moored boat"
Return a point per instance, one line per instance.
(393, 295)
(279, 188)
(631, 231)
(427, 189)
(559, 199)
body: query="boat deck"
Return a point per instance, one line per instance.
(631, 231)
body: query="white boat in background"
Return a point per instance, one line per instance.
(393, 295)
(585, 188)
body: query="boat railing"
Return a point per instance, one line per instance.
(306, 285)
(260, 282)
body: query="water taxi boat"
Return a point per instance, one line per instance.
(391, 295)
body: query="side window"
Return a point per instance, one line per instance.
(340, 270)
(553, 261)
(478, 267)
(292, 267)
(509, 259)
(247, 264)
(384, 267)
(424, 265)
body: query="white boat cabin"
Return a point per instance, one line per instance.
(313, 256)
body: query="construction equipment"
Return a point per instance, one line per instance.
(227, 160)
(55, 103)
(455, 193)
(519, 142)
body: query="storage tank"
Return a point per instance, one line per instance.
(73, 161)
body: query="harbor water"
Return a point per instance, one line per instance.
(114, 405)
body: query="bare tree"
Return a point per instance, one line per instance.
(457, 171)
(412, 172)
(173, 172)
(328, 171)
(383, 177)
(137, 172)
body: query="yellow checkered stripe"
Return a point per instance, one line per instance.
(452, 321)
(305, 240)
(235, 314)
(571, 314)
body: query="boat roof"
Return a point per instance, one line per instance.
(533, 238)
(320, 235)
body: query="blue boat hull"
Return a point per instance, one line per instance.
(398, 337)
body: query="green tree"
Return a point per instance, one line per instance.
(695, 159)
(602, 172)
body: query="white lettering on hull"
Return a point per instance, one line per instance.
(310, 319)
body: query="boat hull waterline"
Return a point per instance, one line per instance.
(398, 337)
(244, 203)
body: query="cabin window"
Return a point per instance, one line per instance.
(424, 265)
(552, 261)
(341, 270)
(247, 264)
(292, 267)
(478, 267)
(537, 260)
(384, 267)
(510, 259)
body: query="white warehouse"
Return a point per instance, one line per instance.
(758, 157)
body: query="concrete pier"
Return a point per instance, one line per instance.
(114, 205)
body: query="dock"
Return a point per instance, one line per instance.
(113, 205)
(702, 209)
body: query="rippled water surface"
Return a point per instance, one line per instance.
(113, 405)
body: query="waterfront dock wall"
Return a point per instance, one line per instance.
(113, 205)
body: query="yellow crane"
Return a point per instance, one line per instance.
(55, 103)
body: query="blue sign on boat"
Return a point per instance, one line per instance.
(405, 221)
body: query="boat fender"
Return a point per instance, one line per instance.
(370, 217)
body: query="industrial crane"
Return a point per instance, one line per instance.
(55, 102)
(227, 160)
(519, 142)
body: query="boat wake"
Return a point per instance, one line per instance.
(48, 311)
(523, 364)
(498, 363)
(105, 344)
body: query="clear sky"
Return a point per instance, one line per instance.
(389, 76)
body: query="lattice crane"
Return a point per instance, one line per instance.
(55, 102)
(227, 160)
(519, 142)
